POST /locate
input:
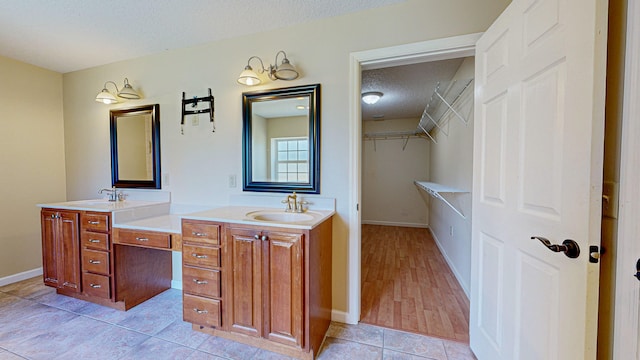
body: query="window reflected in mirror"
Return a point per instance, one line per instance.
(281, 140)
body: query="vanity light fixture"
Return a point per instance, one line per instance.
(371, 97)
(127, 92)
(284, 71)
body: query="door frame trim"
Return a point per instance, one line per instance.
(431, 50)
(627, 290)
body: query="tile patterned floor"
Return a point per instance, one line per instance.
(36, 323)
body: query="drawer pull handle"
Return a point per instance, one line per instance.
(91, 261)
(142, 239)
(199, 234)
(200, 311)
(198, 256)
(200, 282)
(94, 222)
(95, 286)
(94, 241)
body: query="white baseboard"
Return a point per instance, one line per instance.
(450, 263)
(393, 223)
(341, 317)
(20, 276)
(176, 284)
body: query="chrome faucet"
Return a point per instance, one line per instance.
(113, 193)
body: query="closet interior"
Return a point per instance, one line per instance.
(417, 149)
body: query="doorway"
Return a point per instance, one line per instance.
(415, 247)
(441, 49)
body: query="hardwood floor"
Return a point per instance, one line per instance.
(407, 285)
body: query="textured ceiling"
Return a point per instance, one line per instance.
(407, 88)
(69, 35)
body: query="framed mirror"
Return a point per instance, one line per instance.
(281, 140)
(135, 147)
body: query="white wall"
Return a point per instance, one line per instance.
(199, 162)
(451, 165)
(389, 196)
(31, 160)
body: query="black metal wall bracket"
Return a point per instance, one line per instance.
(194, 103)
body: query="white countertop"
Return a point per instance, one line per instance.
(238, 215)
(171, 223)
(157, 216)
(100, 205)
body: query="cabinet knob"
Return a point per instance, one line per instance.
(94, 241)
(198, 256)
(91, 261)
(198, 234)
(94, 222)
(200, 311)
(200, 282)
(258, 237)
(142, 239)
(264, 238)
(95, 286)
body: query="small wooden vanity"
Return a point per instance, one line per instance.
(84, 257)
(265, 286)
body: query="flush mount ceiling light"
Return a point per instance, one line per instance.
(284, 71)
(127, 92)
(371, 97)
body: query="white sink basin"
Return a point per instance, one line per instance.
(280, 216)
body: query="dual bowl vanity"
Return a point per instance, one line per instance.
(253, 274)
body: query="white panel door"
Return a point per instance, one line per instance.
(538, 140)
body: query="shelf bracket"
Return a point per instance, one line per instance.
(437, 191)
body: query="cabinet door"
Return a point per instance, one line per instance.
(285, 289)
(245, 297)
(49, 265)
(69, 251)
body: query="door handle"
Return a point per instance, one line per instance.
(569, 247)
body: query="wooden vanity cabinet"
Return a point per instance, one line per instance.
(83, 259)
(96, 255)
(202, 269)
(61, 249)
(276, 287)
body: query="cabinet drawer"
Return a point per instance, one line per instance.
(200, 232)
(95, 261)
(201, 281)
(144, 238)
(94, 240)
(201, 256)
(96, 285)
(202, 311)
(95, 222)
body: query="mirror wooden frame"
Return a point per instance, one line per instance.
(116, 181)
(248, 98)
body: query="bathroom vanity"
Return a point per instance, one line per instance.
(256, 275)
(264, 283)
(80, 248)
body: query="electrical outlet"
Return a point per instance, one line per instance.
(450, 230)
(195, 120)
(232, 181)
(165, 179)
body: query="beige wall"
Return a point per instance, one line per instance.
(199, 162)
(31, 159)
(389, 196)
(451, 165)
